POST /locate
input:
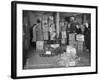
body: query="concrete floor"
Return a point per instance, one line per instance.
(34, 61)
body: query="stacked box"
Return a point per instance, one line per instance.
(72, 36)
(80, 37)
(73, 43)
(80, 46)
(39, 45)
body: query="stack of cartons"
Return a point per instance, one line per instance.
(72, 40)
(80, 46)
(80, 41)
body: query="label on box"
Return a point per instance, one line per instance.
(80, 37)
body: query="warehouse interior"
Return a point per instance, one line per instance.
(56, 39)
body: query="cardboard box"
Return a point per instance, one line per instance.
(72, 36)
(80, 46)
(39, 45)
(80, 37)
